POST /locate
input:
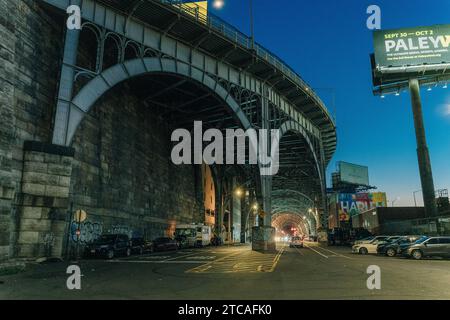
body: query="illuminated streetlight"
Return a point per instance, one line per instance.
(218, 4)
(238, 192)
(255, 206)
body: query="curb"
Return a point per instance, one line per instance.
(12, 267)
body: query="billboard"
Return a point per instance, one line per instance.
(197, 9)
(349, 205)
(421, 46)
(353, 174)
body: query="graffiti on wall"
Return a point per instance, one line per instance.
(121, 229)
(89, 231)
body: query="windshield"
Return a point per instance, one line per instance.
(421, 240)
(108, 239)
(185, 232)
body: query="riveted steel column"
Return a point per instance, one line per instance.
(263, 237)
(325, 213)
(66, 83)
(426, 175)
(266, 182)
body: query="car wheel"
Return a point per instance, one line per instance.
(363, 251)
(110, 254)
(390, 252)
(417, 254)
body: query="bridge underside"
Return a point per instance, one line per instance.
(106, 147)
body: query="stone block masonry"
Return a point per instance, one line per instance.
(123, 176)
(119, 170)
(44, 199)
(30, 46)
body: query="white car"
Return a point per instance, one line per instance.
(296, 242)
(372, 238)
(367, 247)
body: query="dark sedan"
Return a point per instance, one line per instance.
(109, 246)
(396, 247)
(140, 246)
(165, 244)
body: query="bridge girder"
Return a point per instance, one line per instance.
(243, 92)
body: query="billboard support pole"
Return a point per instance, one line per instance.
(426, 175)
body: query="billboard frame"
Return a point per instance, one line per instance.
(349, 182)
(389, 79)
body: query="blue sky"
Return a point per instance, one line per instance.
(328, 43)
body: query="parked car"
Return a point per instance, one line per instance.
(296, 242)
(369, 247)
(429, 247)
(109, 246)
(165, 244)
(371, 238)
(396, 247)
(140, 246)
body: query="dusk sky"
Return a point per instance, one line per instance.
(328, 44)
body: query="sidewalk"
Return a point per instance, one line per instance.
(11, 267)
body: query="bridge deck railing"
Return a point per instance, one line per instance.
(232, 33)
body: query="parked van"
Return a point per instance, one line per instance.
(193, 235)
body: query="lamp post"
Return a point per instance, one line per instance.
(414, 195)
(395, 200)
(254, 208)
(219, 4)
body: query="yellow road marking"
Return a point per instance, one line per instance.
(277, 258)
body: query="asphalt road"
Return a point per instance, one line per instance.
(237, 273)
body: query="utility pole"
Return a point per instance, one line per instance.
(252, 26)
(426, 175)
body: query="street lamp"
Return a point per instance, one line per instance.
(238, 192)
(393, 201)
(219, 4)
(414, 195)
(254, 208)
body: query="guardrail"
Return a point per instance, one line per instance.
(233, 34)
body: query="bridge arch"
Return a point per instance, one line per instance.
(294, 126)
(66, 123)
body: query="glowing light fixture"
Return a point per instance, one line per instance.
(218, 4)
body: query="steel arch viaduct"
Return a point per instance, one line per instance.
(159, 39)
